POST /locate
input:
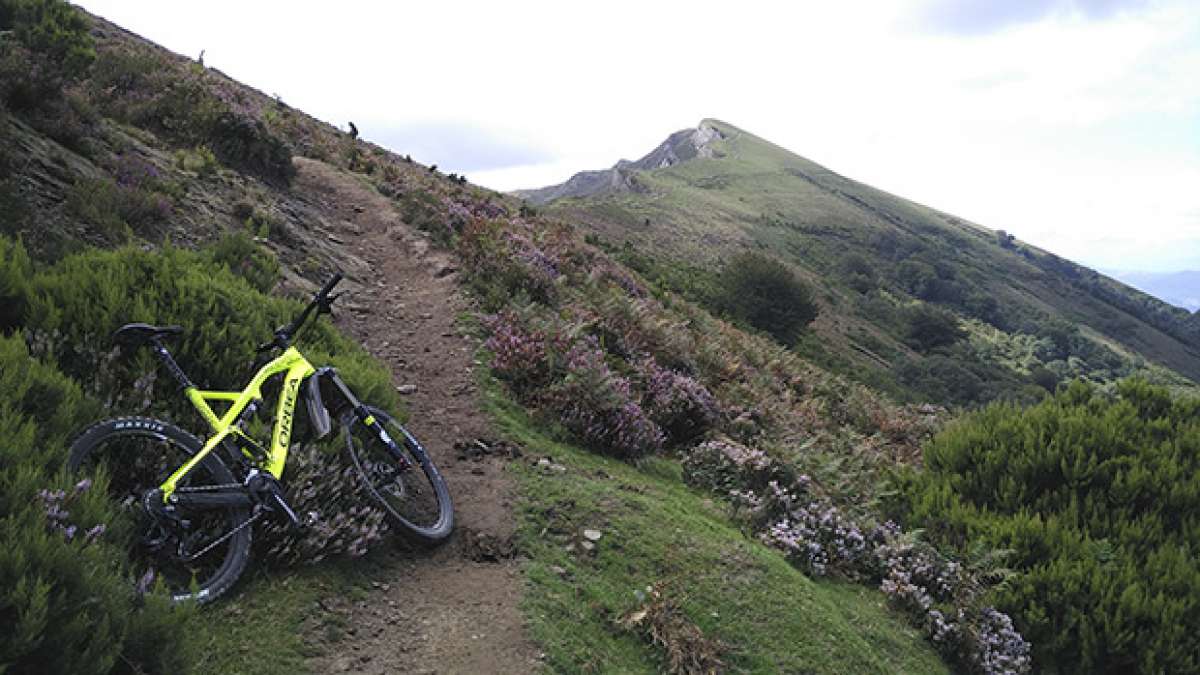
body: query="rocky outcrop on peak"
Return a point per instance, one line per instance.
(680, 146)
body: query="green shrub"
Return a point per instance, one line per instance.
(928, 327)
(67, 313)
(83, 298)
(53, 29)
(422, 210)
(143, 89)
(1098, 498)
(765, 294)
(15, 270)
(238, 252)
(858, 273)
(199, 160)
(67, 600)
(247, 144)
(117, 210)
(119, 74)
(46, 45)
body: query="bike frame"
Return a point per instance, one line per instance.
(295, 368)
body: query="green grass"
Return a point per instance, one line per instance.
(277, 620)
(655, 529)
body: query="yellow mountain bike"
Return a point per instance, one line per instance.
(193, 511)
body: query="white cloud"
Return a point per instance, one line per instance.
(1072, 125)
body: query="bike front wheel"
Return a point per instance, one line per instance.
(197, 555)
(408, 486)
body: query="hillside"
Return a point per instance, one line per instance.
(711, 192)
(136, 184)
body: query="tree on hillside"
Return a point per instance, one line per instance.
(928, 327)
(764, 293)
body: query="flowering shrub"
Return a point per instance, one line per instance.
(620, 278)
(504, 263)
(115, 208)
(727, 467)
(520, 356)
(569, 379)
(66, 593)
(458, 215)
(537, 268)
(815, 535)
(57, 516)
(812, 533)
(999, 647)
(600, 406)
(683, 407)
(327, 491)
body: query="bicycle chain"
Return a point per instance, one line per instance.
(225, 537)
(209, 488)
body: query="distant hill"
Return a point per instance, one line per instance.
(1181, 289)
(707, 193)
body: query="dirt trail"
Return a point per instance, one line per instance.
(438, 611)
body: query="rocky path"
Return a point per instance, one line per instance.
(453, 609)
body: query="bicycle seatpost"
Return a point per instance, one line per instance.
(172, 367)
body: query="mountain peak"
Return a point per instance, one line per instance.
(681, 146)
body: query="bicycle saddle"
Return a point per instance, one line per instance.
(134, 334)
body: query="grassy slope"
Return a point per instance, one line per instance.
(657, 530)
(762, 196)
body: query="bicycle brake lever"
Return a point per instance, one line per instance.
(326, 306)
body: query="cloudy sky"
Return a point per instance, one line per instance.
(1074, 124)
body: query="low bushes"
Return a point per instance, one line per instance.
(44, 47)
(507, 263)
(789, 512)
(72, 308)
(160, 94)
(67, 601)
(1098, 497)
(246, 144)
(239, 254)
(567, 374)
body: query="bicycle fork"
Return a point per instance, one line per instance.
(319, 414)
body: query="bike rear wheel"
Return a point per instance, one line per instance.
(198, 555)
(414, 498)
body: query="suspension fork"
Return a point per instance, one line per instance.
(360, 412)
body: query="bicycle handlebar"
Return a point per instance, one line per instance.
(328, 287)
(320, 302)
